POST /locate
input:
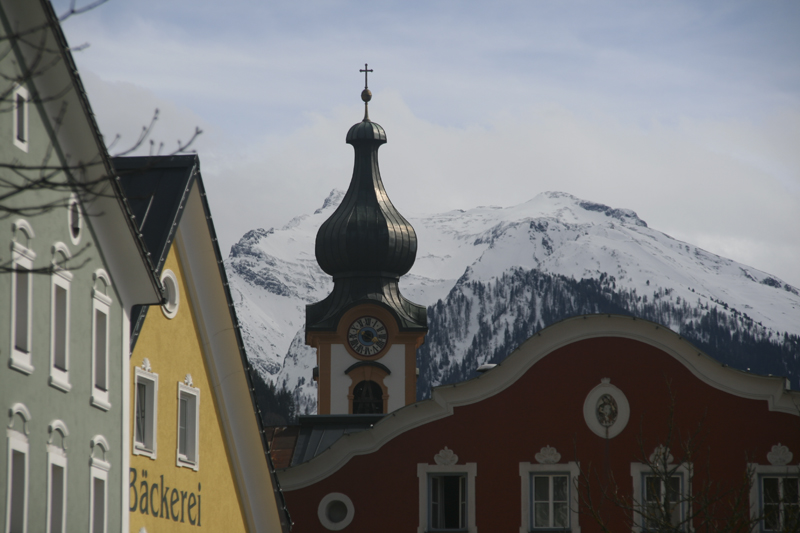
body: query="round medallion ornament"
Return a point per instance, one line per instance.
(606, 410)
(367, 336)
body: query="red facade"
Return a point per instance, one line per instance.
(499, 422)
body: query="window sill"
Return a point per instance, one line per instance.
(60, 384)
(17, 363)
(139, 449)
(184, 462)
(101, 402)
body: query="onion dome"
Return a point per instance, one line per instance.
(366, 244)
(366, 233)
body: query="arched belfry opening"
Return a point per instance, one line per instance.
(365, 246)
(367, 398)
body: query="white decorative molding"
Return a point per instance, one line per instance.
(61, 427)
(99, 291)
(659, 454)
(445, 457)
(780, 455)
(25, 227)
(548, 456)
(188, 381)
(606, 410)
(146, 365)
(19, 408)
(99, 442)
(172, 294)
(324, 511)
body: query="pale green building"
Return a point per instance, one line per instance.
(71, 267)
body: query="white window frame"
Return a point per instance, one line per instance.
(424, 473)
(57, 455)
(192, 458)
(759, 472)
(22, 257)
(149, 446)
(101, 303)
(21, 144)
(60, 278)
(18, 442)
(526, 473)
(641, 470)
(99, 469)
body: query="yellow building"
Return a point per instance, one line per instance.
(198, 459)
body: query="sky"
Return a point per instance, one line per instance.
(686, 112)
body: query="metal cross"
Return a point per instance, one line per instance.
(366, 72)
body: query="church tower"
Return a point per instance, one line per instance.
(365, 332)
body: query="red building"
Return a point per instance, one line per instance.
(579, 410)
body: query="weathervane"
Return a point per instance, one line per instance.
(366, 94)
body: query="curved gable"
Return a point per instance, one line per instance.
(580, 335)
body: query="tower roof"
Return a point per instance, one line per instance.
(366, 244)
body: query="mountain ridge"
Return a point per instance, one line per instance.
(273, 274)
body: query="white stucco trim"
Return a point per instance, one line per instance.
(444, 399)
(22, 259)
(226, 371)
(126, 417)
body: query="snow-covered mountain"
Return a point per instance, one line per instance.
(492, 276)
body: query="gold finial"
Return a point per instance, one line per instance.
(366, 94)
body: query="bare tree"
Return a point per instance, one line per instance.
(33, 52)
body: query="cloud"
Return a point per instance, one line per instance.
(685, 112)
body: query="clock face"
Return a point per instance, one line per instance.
(367, 336)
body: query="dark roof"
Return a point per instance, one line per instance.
(156, 188)
(366, 244)
(317, 433)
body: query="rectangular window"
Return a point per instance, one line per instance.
(100, 323)
(98, 512)
(550, 497)
(447, 494)
(146, 412)
(57, 490)
(17, 488)
(21, 118)
(780, 502)
(188, 426)
(59, 330)
(101, 350)
(662, 502)
(550, 501)
(21, 296)
(22, 310)
(448, 502)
